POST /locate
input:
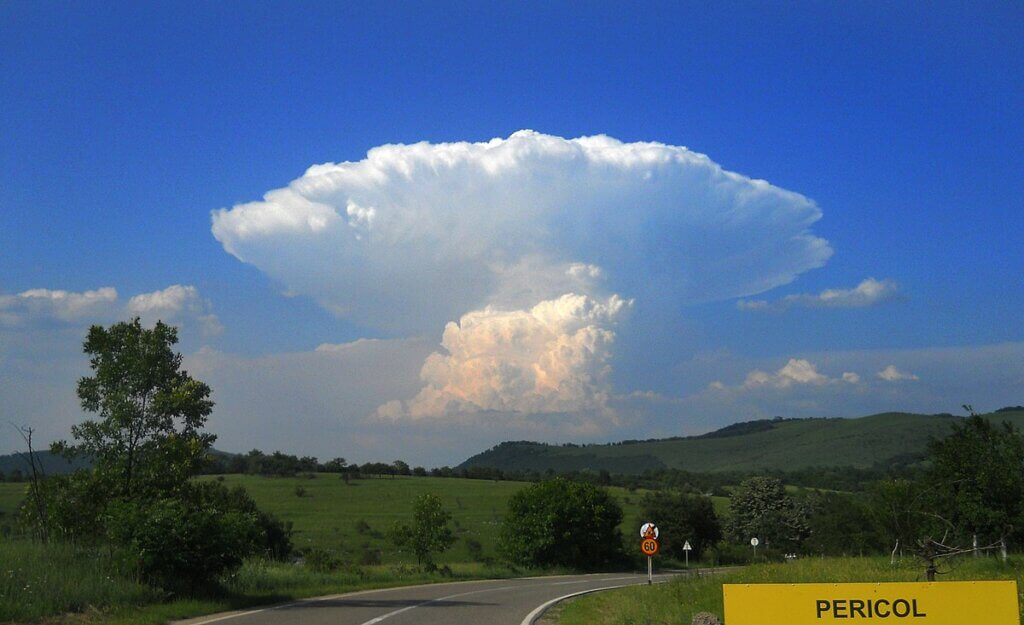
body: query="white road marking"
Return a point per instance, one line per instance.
(429, 601)
(532, 616)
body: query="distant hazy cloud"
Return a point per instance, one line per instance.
(868, 293)
(892, 374)
(175, 304)
(795, 372)
(54, 304)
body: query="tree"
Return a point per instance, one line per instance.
(842, 524)
(899, 508)
(562, 523)
(681, 518)
(429, 532)
(977, 474)
(150, 412)
(761, 508)
(401, 468)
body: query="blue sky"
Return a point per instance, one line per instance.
(124, 126)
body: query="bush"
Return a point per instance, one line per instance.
(275, 536)
(475, 549)
(320, 561)
(181, 547)
(562, 523)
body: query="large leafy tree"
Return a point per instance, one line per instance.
(681, 518)
(977, 476)
(147, 437)
(562, 523)
(761, 508)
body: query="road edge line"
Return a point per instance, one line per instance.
(532, 617)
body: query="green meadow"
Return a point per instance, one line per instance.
(351, 519)
(675, 602)
(348, 520)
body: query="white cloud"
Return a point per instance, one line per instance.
(413, 236)
(892, 374)
(174, 304)
(64, 306)
(552, 358)
(797, 371)
(868, 293)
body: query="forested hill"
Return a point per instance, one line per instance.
(52, 464)
(775, 444)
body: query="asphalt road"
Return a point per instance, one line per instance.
(491, 602)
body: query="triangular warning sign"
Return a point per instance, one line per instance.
(687, 547)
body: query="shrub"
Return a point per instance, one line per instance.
(181, 547)
(320, 561)
(475, 549)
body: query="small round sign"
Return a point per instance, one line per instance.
(649, 546)
(649, 530)
(754, 541)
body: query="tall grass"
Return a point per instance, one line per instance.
(57, 583)
(38, 580)
(676, 602)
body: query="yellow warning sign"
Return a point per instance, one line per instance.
(928, 603)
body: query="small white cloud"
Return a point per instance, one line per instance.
(869, 292)
(796, 372)
(892, 374)
(551, 358)
(175, 303)
(64, 306)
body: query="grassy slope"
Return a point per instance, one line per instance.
(788, 445)
(677, 601)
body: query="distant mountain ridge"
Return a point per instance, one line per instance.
(766, 444)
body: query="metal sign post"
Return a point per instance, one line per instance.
(754, 543)
(649, 546)
(686, 549)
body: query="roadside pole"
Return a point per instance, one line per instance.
(649, 546)
(686, 550)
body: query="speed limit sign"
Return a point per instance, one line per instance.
(649, 546)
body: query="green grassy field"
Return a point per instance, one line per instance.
(329, 514)
(676, 602)
(10, 497)
(787, 445)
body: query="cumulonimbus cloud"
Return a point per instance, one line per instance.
(552, 358)
(413, 236)
(499, 234)
(868, 293)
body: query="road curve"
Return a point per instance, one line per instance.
(489, 602)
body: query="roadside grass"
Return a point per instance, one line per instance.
(59, 584)
(675, 602)
(39, 580)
